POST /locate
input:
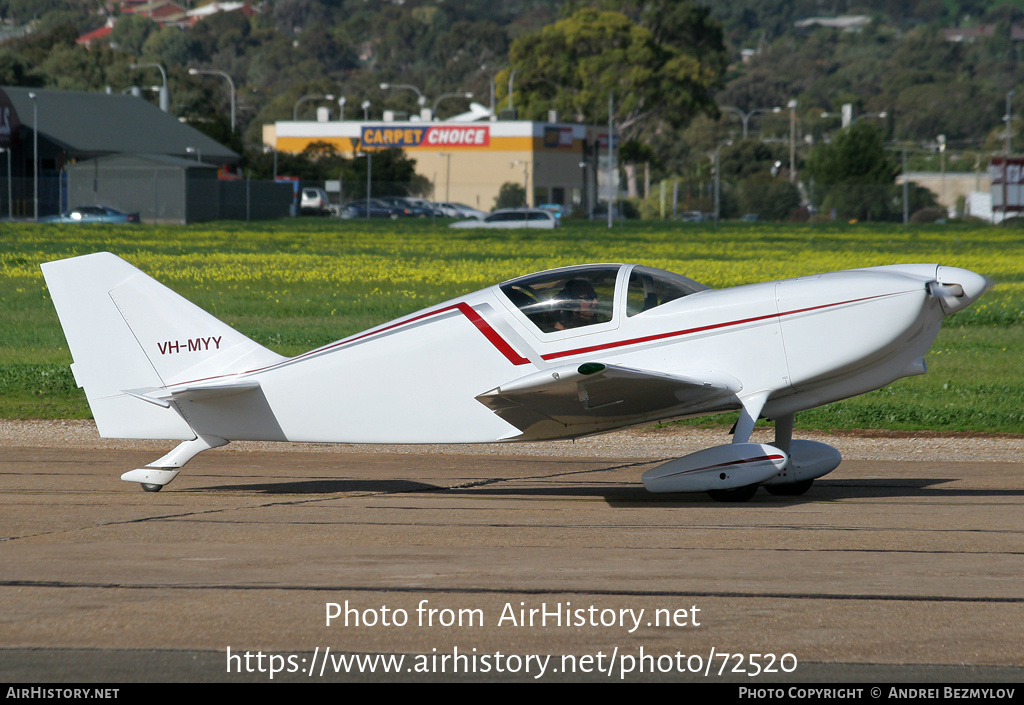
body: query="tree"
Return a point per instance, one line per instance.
(574, 65)
(772, 198)
(853, 174)
(632, 153)
(510, 195)
(130, 33)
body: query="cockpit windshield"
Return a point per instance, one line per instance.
(576, 297)
(649, 288)
(566, 298)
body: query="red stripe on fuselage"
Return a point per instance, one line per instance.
(689, 331)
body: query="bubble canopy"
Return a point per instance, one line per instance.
(575, 297)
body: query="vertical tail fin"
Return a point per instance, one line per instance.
(127, 332)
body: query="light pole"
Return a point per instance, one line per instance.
(745, 116)
(231, 84)
(1009, 121)
(792, 140)
(311, 96)
(941, 140)
(165, 95)
(526, 178)
(1006, 159)
(267, 149)
(341, 108)
(366, 110)
(448, 175)
(718, 177)
(369, 172)
(448, 95)
(195, 150)
(35, 154)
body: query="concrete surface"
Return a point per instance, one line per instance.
(885, 571)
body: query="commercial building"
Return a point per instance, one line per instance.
(114, 149)
(468, 162)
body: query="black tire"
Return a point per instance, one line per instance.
(740, 494)
(790, 489)
(150, 487)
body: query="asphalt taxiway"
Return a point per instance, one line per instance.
(887, 570)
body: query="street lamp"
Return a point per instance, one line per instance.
(165, 96)
(366, 110)
(745, 116)
(195, 150)
(449, 95)
(341, 108)
(35, 154)
(421, 99)
(718, 177)
(196, 72)
(311, 96)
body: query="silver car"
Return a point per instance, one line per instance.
(513, 218)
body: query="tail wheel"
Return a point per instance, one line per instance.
(740, 494)
(150, 487)
(790, 489)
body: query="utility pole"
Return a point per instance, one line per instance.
(906, 190)
(611, 156)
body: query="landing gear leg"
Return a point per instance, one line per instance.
(783, 441)
(160, 472)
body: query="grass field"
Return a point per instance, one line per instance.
(293, 285)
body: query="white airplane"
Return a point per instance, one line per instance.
(559, 354)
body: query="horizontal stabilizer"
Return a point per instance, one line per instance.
(195, 392)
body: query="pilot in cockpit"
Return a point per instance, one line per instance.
(577, 305)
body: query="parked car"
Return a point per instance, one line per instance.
(692, 217)
(92, 214)
(357, 209)
(435, 209)
(556, 209)
(407, 207)
(314, 201)
(513, 218)
(460, 210)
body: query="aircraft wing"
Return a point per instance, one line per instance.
(594, 392)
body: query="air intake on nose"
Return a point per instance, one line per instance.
(943, 290)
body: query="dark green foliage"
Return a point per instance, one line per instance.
(853, 174)
(770, 197)
(510, 195)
